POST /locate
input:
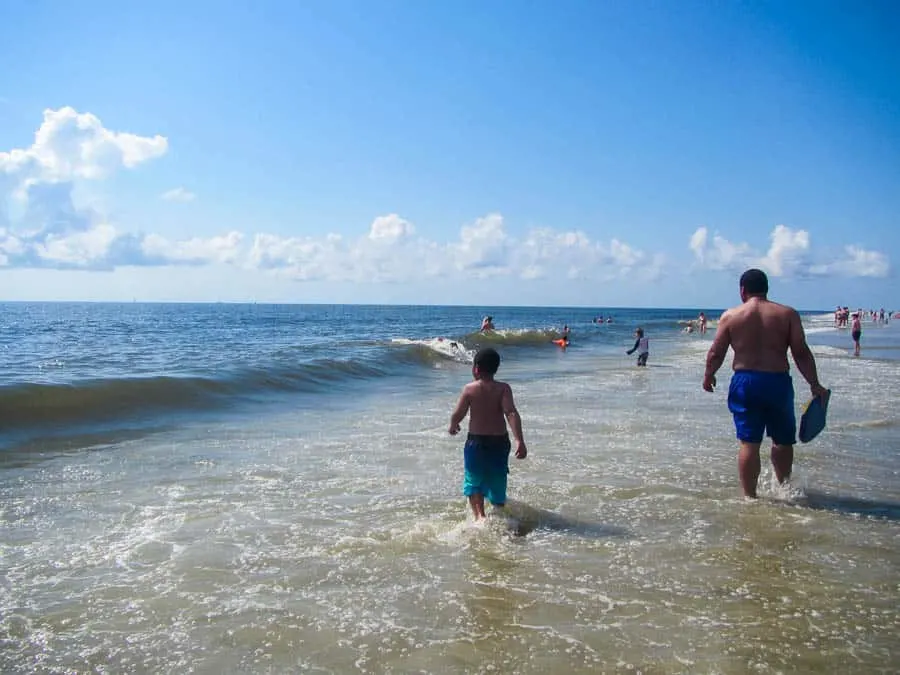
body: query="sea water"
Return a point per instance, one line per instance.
(255, 489)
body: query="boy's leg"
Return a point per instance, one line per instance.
(476, 501)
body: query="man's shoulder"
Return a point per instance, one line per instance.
(782, 309)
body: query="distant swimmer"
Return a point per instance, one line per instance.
(701, 320)
(761, 394)
(565, 331)
(856, 333)
(641, 346)
(487, 324)
(490, 405)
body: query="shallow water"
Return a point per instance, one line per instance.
(330, 535)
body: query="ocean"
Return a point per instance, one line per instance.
(219, 488)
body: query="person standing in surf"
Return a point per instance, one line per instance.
(641, 346)
(856, 333)
(490, 406)
(487, 324)
(761, 394)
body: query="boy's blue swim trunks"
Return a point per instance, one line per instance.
(763, 402)
(486, 461)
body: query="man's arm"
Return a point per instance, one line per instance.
(460, 412)
(803, 356)
(715, 357)
(514, 421)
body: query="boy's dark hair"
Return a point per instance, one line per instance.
(640, 332)
(487, 361)
(755, 282)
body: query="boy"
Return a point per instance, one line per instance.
(856, 333)
(641, 346)
(486, 453)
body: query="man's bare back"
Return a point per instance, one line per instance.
(759, 331)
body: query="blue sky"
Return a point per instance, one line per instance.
(572, 153)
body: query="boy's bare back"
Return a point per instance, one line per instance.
(490, 401)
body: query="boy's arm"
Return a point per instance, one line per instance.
(514, 421)
(636, 343)
(460, 412)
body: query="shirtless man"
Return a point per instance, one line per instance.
(761, 395)
(486, 453)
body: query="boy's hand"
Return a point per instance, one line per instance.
(454, 429)
(521, 450)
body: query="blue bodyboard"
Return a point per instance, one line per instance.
(812, 421)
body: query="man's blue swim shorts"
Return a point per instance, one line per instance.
(486, 461)
(763, 402)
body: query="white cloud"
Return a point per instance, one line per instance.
(390, 227)
(79, 249)
(856, 262)
(178, 194)
(483, 248)
(790, 254)
(720, 254)
(195, 251)
(53, 232)
(70, 145)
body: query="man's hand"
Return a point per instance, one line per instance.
(818, 391)
(521, 450)
(709, 383)
(454, 429)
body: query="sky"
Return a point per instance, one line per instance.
(508, 152)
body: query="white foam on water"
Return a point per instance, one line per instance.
(455, 350)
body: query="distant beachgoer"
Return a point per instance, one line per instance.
(641, 346)
(487, 324)
(856, 333)
(761, 394)
(565, 331)
(486, 454)
(702, 321)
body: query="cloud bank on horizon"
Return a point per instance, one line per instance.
(44, 228)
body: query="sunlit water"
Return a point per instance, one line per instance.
(331, 536)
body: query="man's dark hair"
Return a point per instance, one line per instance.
(755, 282)
(487, 361)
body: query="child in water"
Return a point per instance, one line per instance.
(641, 346)
(486, 453)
